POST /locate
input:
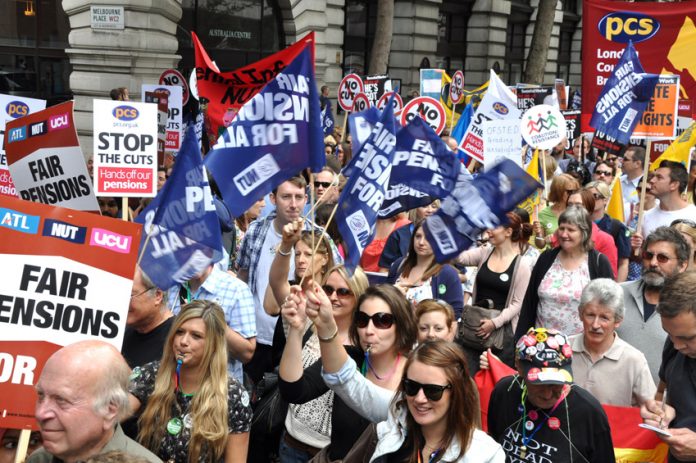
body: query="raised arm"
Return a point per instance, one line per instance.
(278, 275)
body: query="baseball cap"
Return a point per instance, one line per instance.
(545, 356)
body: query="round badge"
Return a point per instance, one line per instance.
(567, 351)
(560, 339)
(529, 425)
(551, 342)
(531, 351)
(134, 374)
(188, 421)
(549, 226)
(244, 398)
(441, 289)
(554, 423)
(504, 277)
(174, 426)
(541, 336)
(533, 415)
(540, 347)
(533, 374)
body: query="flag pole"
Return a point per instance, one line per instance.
(643, 189)
(22, 445)
(321, 237)
(454, 110)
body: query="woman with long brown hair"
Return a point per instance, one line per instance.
(190, 409)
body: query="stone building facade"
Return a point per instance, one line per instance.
(50, 49)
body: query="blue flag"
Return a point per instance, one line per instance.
(624, 97)
(424, 169)
(460, 130)
(327, 119)
(362, 197)
(181, 231)
(476, 205)
(275, 135)
(360, 126)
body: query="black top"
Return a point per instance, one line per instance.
(679, 373)
(493, 285)
(139, 349)
(347, 425)
(590, 436)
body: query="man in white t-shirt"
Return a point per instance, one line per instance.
(669, 181)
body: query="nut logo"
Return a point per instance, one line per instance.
(624, 26)
(500, 108)
(16, 109)
(125, 113)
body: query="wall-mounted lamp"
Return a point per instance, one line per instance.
(29, 10)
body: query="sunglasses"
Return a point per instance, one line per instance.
(661, 258)
(322, 184)
(381, 320)
(432, 392)
(687, 222)
(603, 173)
(340, 292)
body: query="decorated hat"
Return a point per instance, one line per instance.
(545, 356)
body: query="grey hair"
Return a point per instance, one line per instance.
(673, 236)
(578, 216)
(605, 292)
(112, 388)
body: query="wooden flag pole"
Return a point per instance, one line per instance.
(22, 446)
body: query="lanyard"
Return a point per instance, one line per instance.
(432, 456)
(525, 438)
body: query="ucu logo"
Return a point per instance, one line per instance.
(111, 241)
(58, 122)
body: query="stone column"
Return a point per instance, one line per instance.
(102, 60)
(486, 36)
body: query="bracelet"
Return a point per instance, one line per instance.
(284, 254)
(330, 338)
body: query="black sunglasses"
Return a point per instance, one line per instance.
(381, 320)
(340, 292)
(661, 258)
(432, 392)
(688, 222)
(603, 173)
(322, 184)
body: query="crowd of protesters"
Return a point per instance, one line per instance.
(278, 353)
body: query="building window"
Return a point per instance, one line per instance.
(360, 19)
(33, 39)
(233, 32)
(515, 42)
(451, 37)
(565, 40)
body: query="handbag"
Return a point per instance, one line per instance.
(472, 315)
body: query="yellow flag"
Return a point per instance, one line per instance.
(615, 208)
(679, 149)
(468, 96)
(535, 171)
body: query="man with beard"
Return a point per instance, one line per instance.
(665, 253)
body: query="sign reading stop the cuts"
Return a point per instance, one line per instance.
(428, 109)
(360, 103)
(66, 277)
(349, 87)
(457, 88)
(125, 148)
(174, 77)
(397, 102)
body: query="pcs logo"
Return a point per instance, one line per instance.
(16, 109)
(125, 113)
(624, 26)
(500, 108)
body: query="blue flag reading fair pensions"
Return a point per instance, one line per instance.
(181, 232)
(624, 97)
(275, 135)
(424, 169)
(364, 193)
(476, 205)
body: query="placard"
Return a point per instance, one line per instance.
(428, 109)
(501, 140)
(543, 126)
(350, 86)
(174, 114)
(660, 117)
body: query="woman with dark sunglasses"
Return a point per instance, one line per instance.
(383, 332)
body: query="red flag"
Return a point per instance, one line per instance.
(227, 92)
(485, 381)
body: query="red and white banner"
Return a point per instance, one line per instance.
(45, 159)
(174, 114)
(664, 38)
(13, 107)
(125, 148)
(66, 277)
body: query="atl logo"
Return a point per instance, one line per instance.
(125, 113)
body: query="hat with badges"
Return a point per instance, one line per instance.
(545, 356)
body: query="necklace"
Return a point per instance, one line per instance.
(528, 425)
(367, 365)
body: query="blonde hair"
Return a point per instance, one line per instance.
(209, 406)
(358, 283)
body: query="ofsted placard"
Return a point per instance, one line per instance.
(125, 148)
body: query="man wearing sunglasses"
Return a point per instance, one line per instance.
(539, 414)
(665, 253)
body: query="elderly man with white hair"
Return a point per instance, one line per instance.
(612, 370)
(82, 396)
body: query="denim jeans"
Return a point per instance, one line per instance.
(291, 455)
